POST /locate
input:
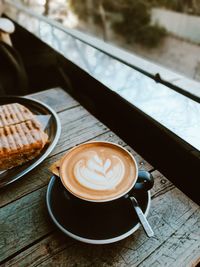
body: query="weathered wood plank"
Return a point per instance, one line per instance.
(87, 255)
(41, 251)
(56, 98)
(57, 250)
(169, 212)
(22, 212)
(29, 183)
(182, 248)
(164, 218)
(23, 222)
(174, 217)
(40, 176)
(77, 254)
(161, 185)
(78, 125)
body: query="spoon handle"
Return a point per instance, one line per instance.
(145, 224)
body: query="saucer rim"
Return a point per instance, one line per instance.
(88, 240)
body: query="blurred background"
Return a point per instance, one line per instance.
(166, 32)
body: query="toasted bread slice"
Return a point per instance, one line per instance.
(14, 113)
(20, 143)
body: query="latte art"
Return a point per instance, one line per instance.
(94, 173)
(98, 171)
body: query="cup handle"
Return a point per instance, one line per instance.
(144, 182)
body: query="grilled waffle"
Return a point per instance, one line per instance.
(13, 114)
(20, 141)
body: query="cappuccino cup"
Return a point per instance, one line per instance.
(101, 171)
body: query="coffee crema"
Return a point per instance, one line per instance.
(98, 171)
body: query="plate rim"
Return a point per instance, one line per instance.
(48, 150)
(88, 240)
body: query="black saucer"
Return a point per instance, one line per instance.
(93, 223)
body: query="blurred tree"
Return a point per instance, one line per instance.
(80, 8)
(134, 25)
(91, 12)
(46, 7)
(196, 6)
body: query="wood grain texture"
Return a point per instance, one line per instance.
(78, 125)
(169, 213)
(86, 255)
(181, 248)
(29, 238)
(56, 98)
(168, 224)
(41, 251)
(23, 222)
(161, 185)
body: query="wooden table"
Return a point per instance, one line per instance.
(29, 238)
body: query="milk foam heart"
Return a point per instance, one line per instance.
(98, 174)
(98, 171)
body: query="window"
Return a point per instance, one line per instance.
(174, 111)
(165, 32)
